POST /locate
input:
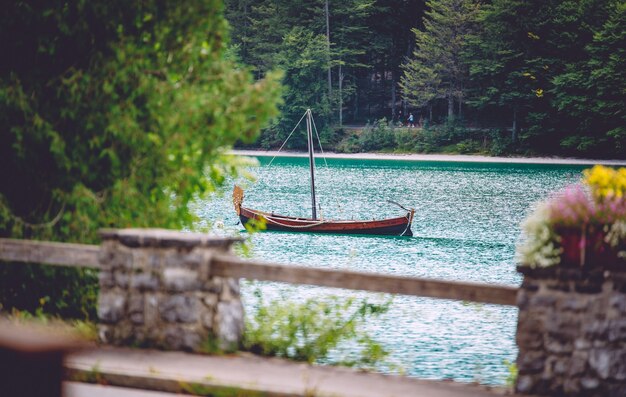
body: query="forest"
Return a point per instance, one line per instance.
(536, 77)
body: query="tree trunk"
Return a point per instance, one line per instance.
(330, 81)
(340, 96)
(430, 114)
(450, 107)
(460, 112)
(514, 127)
(393, 97)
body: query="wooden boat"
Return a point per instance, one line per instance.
(399, 226)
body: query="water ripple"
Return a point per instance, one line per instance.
(466, 227)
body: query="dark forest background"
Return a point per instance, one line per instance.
(500, 77)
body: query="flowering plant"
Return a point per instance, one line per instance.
(585, 223)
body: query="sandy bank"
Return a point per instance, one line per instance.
(438, 157)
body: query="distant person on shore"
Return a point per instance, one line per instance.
(411, 121)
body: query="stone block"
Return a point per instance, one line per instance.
(589, 383)
(582, 344)
(596, 330)
(144, 281)
(233, 285)
(530, 285)
(558, 285)
(111, 307)
(137, 318)
(174, 260)
(213, 285)
(574, 303)
(542, 300)
(618, 367)
(179, 308)
(141, 259)
(210, 300)
(618, 302)
(136, 309)
(617, 330)
(177, 279)
(600, 361)
(207, 320)
(177, 337)
(105, 257)
(571, 386)
(121, 279)
(121, 260)
(560, 366)
(524, 384)
(588, 287)
(106, 280)
(155, 260)
(559, 346)
(105, 333)
(577, 364)
(229, 323)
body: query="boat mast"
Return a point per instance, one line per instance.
(309, 131)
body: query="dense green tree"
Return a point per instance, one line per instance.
(592, 89)
(350, 38)
(390, 44)
(114, 114)
(497, 59)
(368, 40)
(438, 68)
(303, 59)
(550, 71)
(534, 58)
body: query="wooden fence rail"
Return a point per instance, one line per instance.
(229, 266)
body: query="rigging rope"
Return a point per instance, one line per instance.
(291, 133)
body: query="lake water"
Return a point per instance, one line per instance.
(466, 226)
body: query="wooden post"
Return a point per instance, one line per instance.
(31, 360)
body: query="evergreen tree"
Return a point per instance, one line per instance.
(592, 91)
(497, 57)
(438, 68)
(350, 38)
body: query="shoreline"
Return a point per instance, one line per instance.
(461, 158)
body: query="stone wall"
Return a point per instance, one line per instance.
(572, 332)
(156, 290)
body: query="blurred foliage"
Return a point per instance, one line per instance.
(114, 114)
(315, 330)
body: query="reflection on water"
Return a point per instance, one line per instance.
(466, 225)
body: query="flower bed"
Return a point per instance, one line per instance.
(582, 226)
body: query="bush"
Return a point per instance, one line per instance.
(468, 146)
(406, 138)
(106, 124)
(310, 331)
(500, 144)
(378, 136)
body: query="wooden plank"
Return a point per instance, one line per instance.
(248, 375)
(49, 253)
(229, 266)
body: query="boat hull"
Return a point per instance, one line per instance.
(400, 226)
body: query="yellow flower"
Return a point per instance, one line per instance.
(605, 181)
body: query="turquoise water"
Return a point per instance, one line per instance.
(466, 225)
